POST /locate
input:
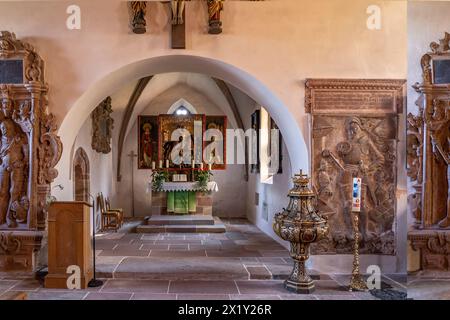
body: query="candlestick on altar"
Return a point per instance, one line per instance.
(167, 164)
(153, 165)
(193, 164)
(160, 164)
(209, 166)
(201, 166)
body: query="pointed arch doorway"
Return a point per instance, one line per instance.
(81, 176)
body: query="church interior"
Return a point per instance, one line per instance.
(209, 150)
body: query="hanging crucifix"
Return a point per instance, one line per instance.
(178, 24)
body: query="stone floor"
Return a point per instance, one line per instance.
(429, 285)
(242, 263)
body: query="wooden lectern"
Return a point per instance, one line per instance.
(69, 243)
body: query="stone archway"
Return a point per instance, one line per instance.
(255, 89)
(81, 176)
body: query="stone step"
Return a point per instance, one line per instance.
(180, 228)
(193, 220)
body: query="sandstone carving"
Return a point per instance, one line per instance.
(29, 151)
(359, 142)
(102, 127)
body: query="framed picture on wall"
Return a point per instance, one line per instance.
(256, 125)
(218, 123)
(147, 141)
(441, 69)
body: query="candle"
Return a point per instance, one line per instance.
(160, 164)
(201, 166)
(209, 166)
(167, 163)
(153, 165)
(193, 164)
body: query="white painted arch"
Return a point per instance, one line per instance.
(238, 78)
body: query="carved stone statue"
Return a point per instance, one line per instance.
(13, 171)
(177, 11)
(102, 127)
(138, 23)
(214, 9)
(445, 155)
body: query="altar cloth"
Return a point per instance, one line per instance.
(184, 186)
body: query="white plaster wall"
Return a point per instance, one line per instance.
(278, 43)
(228, 202)
(427, 22)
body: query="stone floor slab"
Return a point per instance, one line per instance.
(141, 285)
(203, 287)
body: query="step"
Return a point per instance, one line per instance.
(180, 220)
(180, 228)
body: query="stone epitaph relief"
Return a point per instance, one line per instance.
(29, 152)
(354, 134)
(102, 127)
(428, 150)
(138, 12)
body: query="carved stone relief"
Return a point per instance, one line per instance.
(102, 127)
(29, 151)
(354, 134)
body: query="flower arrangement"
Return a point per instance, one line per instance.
(202, 178)
(158, 178)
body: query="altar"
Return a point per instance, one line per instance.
(183, 198)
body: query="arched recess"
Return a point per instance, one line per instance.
(184, 103)
(81, 176)
(255, 89)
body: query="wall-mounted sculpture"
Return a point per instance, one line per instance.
(354, 134)
(138, 12)
(29, 151)
(102, 127)
(428, 159)
(214, 9)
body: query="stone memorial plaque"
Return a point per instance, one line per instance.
(11, 71)
(354, 134)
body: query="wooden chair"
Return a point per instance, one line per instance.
(118, 210)
(110, 219)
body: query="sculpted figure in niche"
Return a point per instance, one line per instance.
(13, 170)
(361, 158)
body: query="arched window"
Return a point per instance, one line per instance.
(181, 111)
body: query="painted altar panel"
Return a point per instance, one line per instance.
(167, 125)
(217, 123)
(360, 142)
(148, 141)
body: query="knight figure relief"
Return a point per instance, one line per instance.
(354, 134)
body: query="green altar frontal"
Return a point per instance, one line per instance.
(181, 202)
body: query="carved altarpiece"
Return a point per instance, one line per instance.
(29, 151)
(354, 126)
(428, 151)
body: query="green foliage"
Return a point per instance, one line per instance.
(202, 178)
(158, 178)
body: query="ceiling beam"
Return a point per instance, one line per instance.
(137, 92)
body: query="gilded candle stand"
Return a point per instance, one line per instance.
(300, 224)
